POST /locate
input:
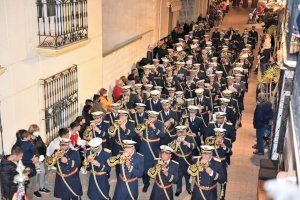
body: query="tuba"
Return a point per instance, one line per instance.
(52, 160)
(143, 126)
(112, 130)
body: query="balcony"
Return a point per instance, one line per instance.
(61, 23)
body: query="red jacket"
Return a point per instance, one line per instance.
(117, 91)
(74, 138)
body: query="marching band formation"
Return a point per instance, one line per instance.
(178, 120)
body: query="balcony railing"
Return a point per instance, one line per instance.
(61, 22)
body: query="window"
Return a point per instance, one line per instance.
(61, 22)
(60, 100)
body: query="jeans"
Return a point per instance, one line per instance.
(259, 136)
(40, 178)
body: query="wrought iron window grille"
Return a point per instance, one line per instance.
(61, 22)
(60, 93)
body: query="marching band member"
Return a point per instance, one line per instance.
(131, 167)
(230, 115)
(67, 182)
(196, 125)
(203, 104)
(151, 132)
(128, 99)
(112, 116)
(153, 103)
(122, 129)
(165, 174)
(96, 163)
(140, 115)
(169, 119)
(221, 151)
(208, 171)
(221, 123)
(183, 145)
(98, 128)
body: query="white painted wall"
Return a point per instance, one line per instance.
(19, 85)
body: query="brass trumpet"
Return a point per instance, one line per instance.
(119, 159)
(153, 171)
(112, 130)
(194, 169)
(89, 132)
(87, 161)
(52, 160)
(143, 126)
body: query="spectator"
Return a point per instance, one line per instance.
(41, 149)
(8, 171)
(96, 103)
(86, 113)
(117, 91)
(54, 145)
(105, 102)
(30, 160)
(263, 115)
(81, 120)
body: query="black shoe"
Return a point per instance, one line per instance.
(189, 191)
(45, 190)
(37, 194)
(177, 194)
(145, 188)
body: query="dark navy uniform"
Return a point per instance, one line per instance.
(99, 174)
(154, 106)
(230, 115)
(230, 131)
(169, 131)
(198, 127)
(205, 187)
(70, 173)
(103, 134)
(183, 155)
(163, 182)
(151, 139)
(111, 117)
(121, 135)
(127, 180)
(205, 102)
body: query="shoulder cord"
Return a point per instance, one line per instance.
(97, 185)
(65, 182)
(162, 183)
(126, 183)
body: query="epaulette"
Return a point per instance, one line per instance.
(230, 106)
(131, 120)
(211, 122)
(175, 162)
(217, 159)
(160, 121)
(229, 123)
(107, 113)
(105, 121)
(216, 106)
(140, 154)
(107, 150)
